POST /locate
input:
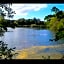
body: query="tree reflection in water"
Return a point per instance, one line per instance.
(1, 36)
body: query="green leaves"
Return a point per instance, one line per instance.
(56, 23)
(5, 52)
(48, 17)
(7, 8)
(54, 9)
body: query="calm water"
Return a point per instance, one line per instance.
(24, 37)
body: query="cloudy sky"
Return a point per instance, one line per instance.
(34, 10)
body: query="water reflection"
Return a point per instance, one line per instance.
(1, 36)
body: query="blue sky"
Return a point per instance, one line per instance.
(29, 11)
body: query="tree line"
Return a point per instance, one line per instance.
(55, 22)
(22, 23)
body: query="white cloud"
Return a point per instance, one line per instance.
(23, 9)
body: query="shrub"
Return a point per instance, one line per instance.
(5, 52)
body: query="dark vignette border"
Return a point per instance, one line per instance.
(29, 61)
(31, 1)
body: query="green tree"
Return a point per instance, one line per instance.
(56, 23)
(54, 9)
(10, 13)
(48, 18)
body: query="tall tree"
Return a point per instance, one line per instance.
(56, 23)
(54, 9)
(10, 13)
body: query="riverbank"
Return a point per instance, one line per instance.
(41, 52)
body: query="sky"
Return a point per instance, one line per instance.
(29, 11)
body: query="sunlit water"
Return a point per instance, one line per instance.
(25, 37)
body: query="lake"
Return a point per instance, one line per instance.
(26, 37)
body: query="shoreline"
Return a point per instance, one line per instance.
(41, 52)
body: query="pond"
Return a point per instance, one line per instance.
(26, 37)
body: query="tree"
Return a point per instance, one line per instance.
(54, 9)
(48, 18)
(5, 52)
(34, 20)
(60, 15)
(8, 9)
(10, 13)
(55, 23)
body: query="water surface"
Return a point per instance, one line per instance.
(26, 37)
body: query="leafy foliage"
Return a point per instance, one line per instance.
(5, 10)
(5, 52)
(54, 9)
(56, 23)
(8, 9)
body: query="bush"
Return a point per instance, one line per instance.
(5, 52)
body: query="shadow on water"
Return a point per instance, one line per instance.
(9, 31)
(1, 34)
